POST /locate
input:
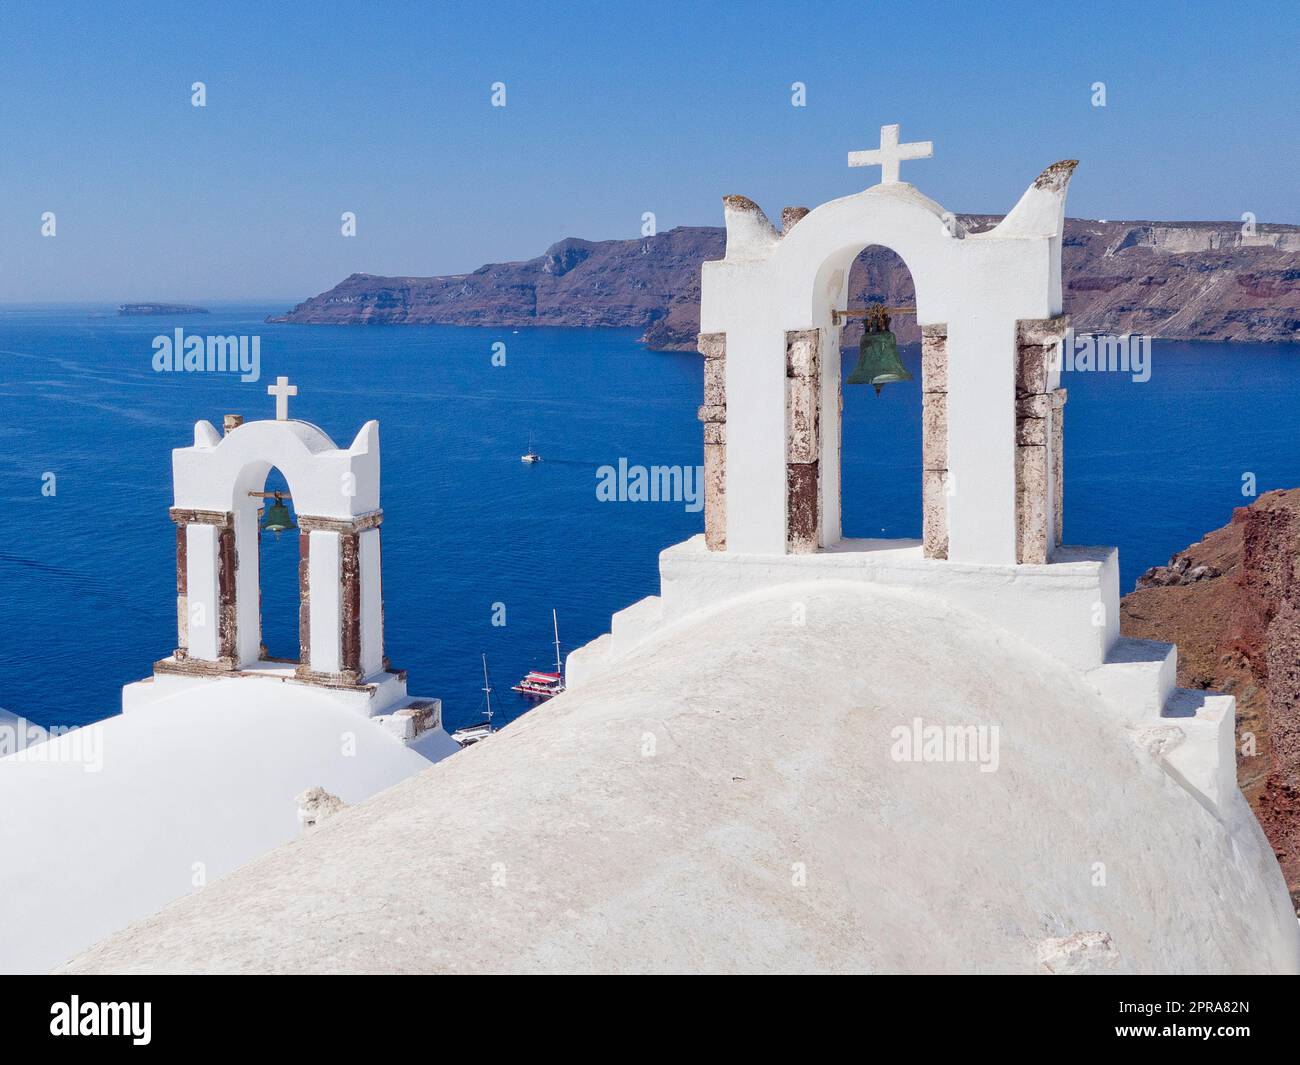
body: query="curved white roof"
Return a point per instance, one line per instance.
(729, 799)
(208, 776)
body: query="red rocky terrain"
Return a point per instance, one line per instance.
(1232, 604)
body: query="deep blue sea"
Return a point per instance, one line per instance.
(87, 575)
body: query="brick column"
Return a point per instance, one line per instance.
(713, 346)
(1040, 406)
(934, 441)
(803, 440)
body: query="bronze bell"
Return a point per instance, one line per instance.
(878, 361)
(277, 518)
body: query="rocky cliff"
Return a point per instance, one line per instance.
(1232, 604)
(1176, 280)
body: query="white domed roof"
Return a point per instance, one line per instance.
(730, 798)
(111, 822)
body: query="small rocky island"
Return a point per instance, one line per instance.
(144, 309)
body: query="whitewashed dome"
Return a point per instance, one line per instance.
(727, 800)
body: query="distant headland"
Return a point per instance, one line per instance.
(136, 309)
(1172, 280)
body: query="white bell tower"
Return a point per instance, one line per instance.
(219, 484)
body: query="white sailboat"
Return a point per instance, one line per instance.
(539, 685)
(473, 733)
(530, 455)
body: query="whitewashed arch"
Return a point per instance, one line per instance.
(335, 495)
(217, 472)
(991, 302)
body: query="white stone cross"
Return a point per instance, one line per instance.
(890, 154)
(282, 390)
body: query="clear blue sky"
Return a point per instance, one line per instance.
(613, 109)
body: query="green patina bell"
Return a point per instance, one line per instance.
(878, 361)
(277, 518)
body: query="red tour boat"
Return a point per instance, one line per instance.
(538, 685)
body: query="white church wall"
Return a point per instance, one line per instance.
(1069, 608)
(372, 604)
(756, 468)
(325, 481)
(1205, 756)
(202, 591)
(248, 585)
(326, 602)
(1137, 679)
(832, 432)
(981, 439)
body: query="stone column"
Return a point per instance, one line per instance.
(371, 603)
(262, 653)
(803, 440)
(182, 597)
(1039, 438)
(228, 618)
(934, 441)
(713, 346)
(341, 613)
(206, 573)
(350, 606)
(304, 597)
(1057, 457)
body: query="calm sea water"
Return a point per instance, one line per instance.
(87, 577)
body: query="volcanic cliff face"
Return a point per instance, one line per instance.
(1176, 280)
(575, 283)
(1232, 604)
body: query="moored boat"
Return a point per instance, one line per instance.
(530, 455)
(473, 733)
(541, 685)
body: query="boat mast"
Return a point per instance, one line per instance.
(487, 691)
(556, 622)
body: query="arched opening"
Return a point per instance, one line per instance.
(880, 435)
(267, 574)
(278, 555)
